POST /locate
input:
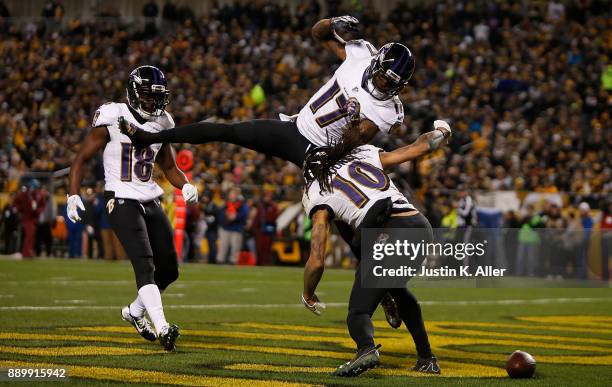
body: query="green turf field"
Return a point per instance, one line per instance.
(245, 326)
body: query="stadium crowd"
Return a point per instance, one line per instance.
(526, 86)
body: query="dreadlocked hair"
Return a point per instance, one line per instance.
(323, 163)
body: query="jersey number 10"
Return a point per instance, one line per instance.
(365, 175)
(143, 167)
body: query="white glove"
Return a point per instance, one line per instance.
(443, 126)
(315, 308)
(190, 193)
(74, 202)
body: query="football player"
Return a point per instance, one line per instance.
(373, 78)
(132, 196)
(350, 184)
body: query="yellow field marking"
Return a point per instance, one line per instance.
(76, 351)
(60, 337)
(529, 337)
(288, 327)
(517, 325)
(596, 322)
(228, 334)
(449, 370)
(441, 347)
(127, 375)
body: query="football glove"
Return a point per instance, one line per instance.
(72, 205)
(316, 307)
(353, 108)
(190, 193)
(125, 127)
(444, 127)
(442, 131)
(343, 23)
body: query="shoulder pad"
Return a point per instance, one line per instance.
(106, 114)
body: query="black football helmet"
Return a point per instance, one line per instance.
(147, 91)
(393, 65)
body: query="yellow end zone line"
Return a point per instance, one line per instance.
(585, 322)
(401, 334)
(127, 375)
(517, 325)
(76, 351)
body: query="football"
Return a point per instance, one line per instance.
(520, 365)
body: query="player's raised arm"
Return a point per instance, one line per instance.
(95, 140)
(167, 162)
(326, 32)
(426, 142)
(313, 270)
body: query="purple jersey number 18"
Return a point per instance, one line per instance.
(143, 167)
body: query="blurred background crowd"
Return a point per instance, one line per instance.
(526, 87)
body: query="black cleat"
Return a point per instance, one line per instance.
(363, 360)
(141, 324)
(168, 336)
(427, 366)
(391, 312)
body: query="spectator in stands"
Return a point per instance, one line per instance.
(29, 204)
(232, 219)
(528, 243)
(46, 221)
(211, 213)
(192, 232)
(4, 11)
(587, 228)
(150, 11)
(53, 9)
(606, 240)
(264, 227)
(10, 226)
(552, 242)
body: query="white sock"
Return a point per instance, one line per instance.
(137, 308)
(151, 298)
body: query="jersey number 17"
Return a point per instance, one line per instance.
(335, 115)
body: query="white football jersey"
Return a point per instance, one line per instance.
(357, 185)
(325, 117)
(129, 171)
